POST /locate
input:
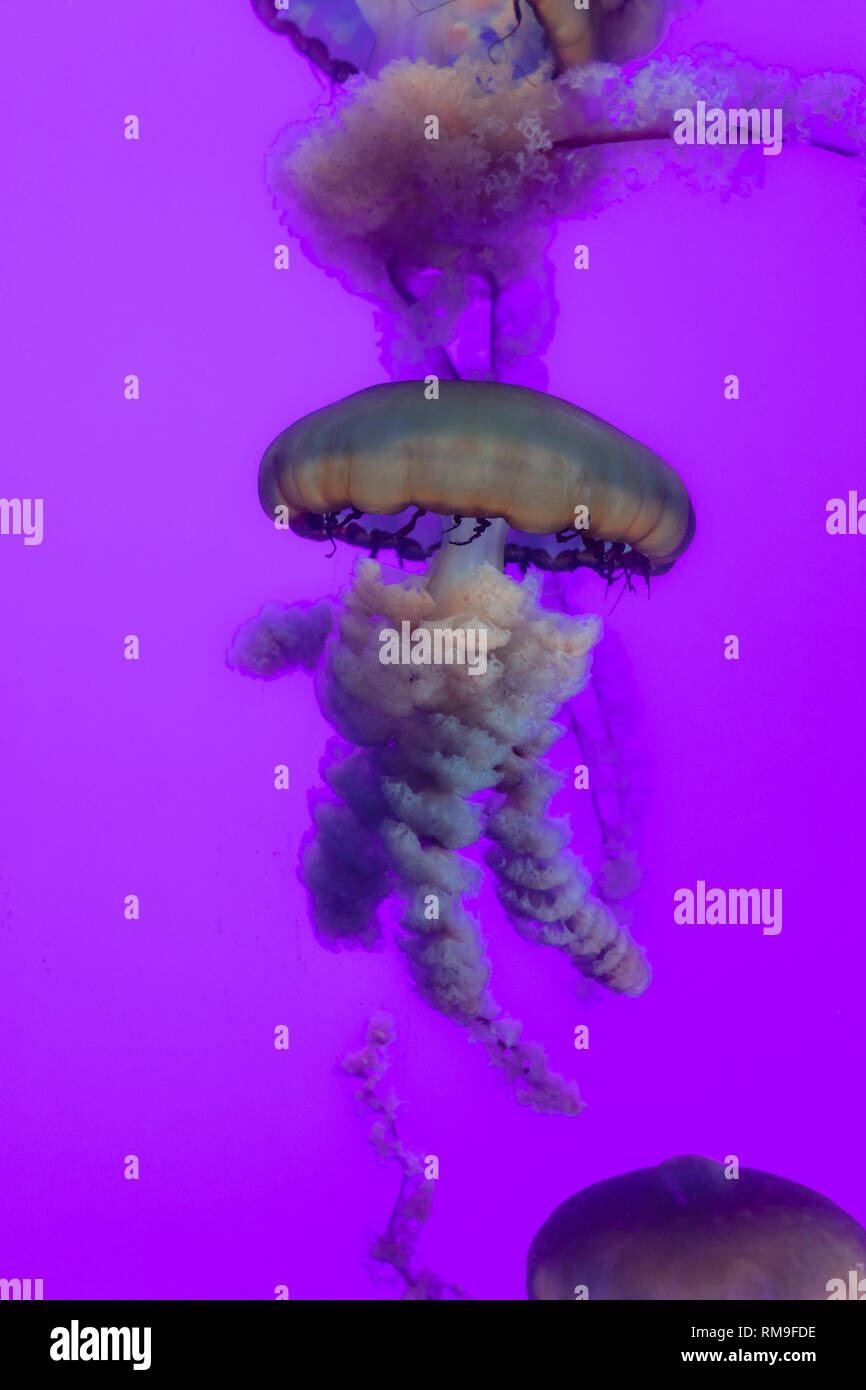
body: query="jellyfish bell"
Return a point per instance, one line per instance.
(440, 34)
(344, 37)
(520, 477)
(683, 1230)
(605, 31)
(347, 36)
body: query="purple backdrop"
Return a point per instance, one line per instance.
(155, 1037)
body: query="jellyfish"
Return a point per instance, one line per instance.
(461, 132)
(442, 685)
(345, 37)
(686, 1230)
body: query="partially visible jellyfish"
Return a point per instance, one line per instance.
(345, 37)
(685, 1231)
(462, 131)
(443, 685)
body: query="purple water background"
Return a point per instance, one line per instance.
(155, 1037)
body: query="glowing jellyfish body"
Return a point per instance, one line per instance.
(444, 684)
(685, 1230)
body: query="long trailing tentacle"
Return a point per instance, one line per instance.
(602, 725)
(826, 110)
(395, 1247)
(443, 943)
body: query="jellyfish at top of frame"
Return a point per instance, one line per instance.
(686, 1231)
(345, 37)
(461, 132)
(443, 685)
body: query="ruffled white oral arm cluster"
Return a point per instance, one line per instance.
(427, 739)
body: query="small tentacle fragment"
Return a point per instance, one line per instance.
(280, 639)
(482, 524)
(396, 1246)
